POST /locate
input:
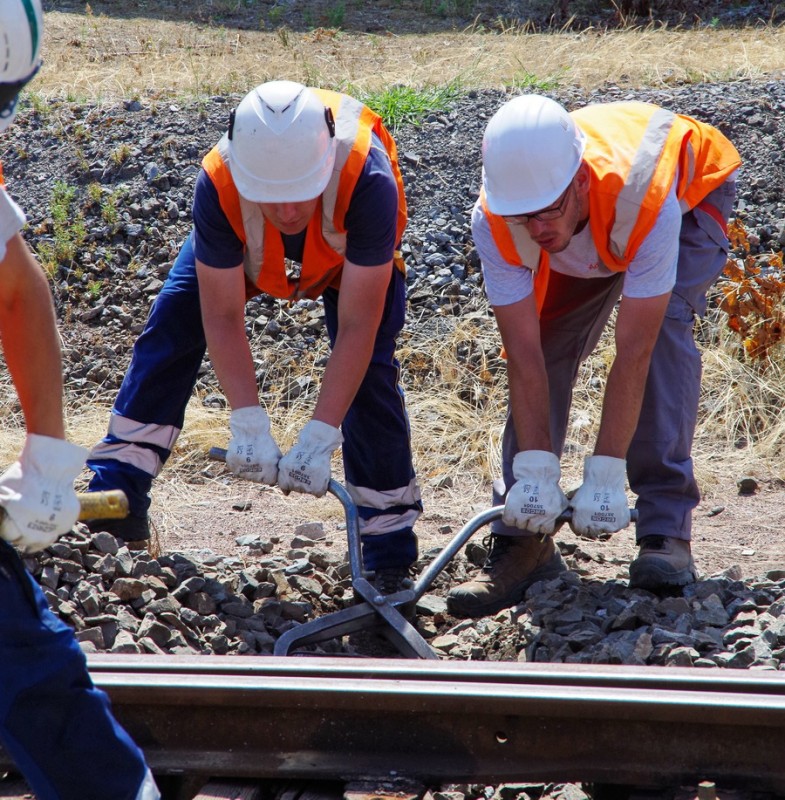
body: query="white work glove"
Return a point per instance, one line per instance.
(535, 499)
(252, 453)
(37, 492)
(600, 504)
(306, 467)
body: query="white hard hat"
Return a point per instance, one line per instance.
(21, 31)
(281, 144)
(531, 151)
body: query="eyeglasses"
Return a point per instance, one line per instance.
(554, 212)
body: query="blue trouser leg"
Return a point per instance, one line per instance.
(659, 462)
(659, 465)
(54, 723)
(377, 454)
(150, 407)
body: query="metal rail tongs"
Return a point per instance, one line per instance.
(371, 607)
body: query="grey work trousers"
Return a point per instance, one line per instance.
(659, 462)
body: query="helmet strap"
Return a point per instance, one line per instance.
(330, 120)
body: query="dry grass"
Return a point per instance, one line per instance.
(96, 57)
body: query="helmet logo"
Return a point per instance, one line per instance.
(232, 115)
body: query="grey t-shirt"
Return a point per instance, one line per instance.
(651, 273)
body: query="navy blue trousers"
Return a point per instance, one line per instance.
(54, 723)
(149, 411)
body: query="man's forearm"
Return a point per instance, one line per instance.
(231, 358)
(529, 403)
(343, 375)
(637, 327)
(621, 407)
(31, 345)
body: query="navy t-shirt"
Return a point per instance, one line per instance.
(371, 220)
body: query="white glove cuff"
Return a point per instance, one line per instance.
(604, 469)
(249, 418)
(321, 433)
(49, 455)
(528, 460)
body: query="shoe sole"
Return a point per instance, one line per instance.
(552, 569)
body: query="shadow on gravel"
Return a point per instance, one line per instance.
(399, 17)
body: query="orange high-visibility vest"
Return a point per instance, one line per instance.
(635, 151)
(325, 240)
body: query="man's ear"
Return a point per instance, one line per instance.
(583, 178)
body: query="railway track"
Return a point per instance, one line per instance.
(407, 725)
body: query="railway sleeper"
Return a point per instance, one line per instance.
(706, 790)
(185, 787)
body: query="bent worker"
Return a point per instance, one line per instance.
(312, 177)
(56, 726)
(578, 209)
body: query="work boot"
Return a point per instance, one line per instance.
(133, 532)
(663, 562)
(389, 580)
(514, 563)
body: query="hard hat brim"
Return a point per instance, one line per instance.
(306, 187)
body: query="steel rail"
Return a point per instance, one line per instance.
(446, 722)
(757, 681)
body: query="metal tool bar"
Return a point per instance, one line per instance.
(376, 610)
(111, 504)
(350, 513)
(459, 540)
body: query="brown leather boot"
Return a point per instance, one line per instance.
(514, 563)
(663, 563)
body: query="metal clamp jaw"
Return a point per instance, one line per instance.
(371, 608)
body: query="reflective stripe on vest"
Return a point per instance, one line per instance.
(634, 151)
(325, 241)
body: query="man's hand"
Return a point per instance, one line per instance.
(535, 499)
(600, 504)
(306, 467)
(37, 492)
(252, 453)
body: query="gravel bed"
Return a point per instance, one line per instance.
(124, 174)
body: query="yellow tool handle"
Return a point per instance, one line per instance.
(112, 504)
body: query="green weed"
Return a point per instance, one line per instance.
(275, 14)
(120, 154)
(94, 192)
(109, 207)
(37, 102)
(529, 81)
(68, 230)
(336, 15)
(449, 8)
(402, 105)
